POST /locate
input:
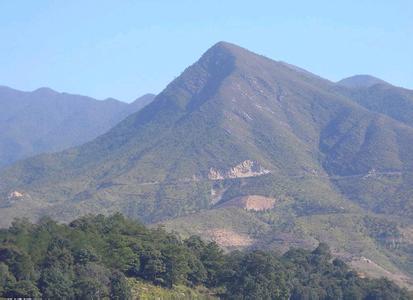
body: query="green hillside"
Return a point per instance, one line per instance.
(395, 102)
(236, 128)
(97, 257)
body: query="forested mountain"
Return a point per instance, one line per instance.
(47, 121)
(252, 153)
(105, 257)
(379, 96)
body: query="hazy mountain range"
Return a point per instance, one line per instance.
(47, 121)
(250, 152)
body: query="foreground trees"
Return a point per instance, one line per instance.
(91, 258)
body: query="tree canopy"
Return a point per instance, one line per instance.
(92, 257)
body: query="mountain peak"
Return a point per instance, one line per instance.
(223, 48)
(227, 46)
(45, 91)
(358, 81)
(220, 49)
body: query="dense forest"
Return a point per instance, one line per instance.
(93, 257)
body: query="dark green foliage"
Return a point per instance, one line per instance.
(91, 257)
(18, 261)
(258, 275)
(22, 289)
(212, 259)
(381, 229)
(120, 289)
(6, 278)
(55, 283)
(384, 289)
(92, 282)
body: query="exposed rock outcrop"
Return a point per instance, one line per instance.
(228, 238)
(247, 168)
(15, 195)
(12, 198)
(251, 202)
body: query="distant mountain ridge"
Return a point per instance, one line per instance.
(47, 121)
(324, 163)
(379, 96)
(360, 81)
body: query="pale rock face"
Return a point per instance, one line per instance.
(228, 238)
(251, 202)
(15, 195)
(247, 168)
(12, 198)
(215, 174)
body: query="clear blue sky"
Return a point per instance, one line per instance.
(123, 49)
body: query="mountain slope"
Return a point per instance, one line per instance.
(48, 121)
(140, 102)
(384, 98)
(359, 81)
(237, 124)
(230, 108)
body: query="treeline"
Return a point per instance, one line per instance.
(92, 257)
